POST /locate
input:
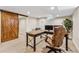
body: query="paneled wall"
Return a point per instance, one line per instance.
(9, 26)
(75, 18)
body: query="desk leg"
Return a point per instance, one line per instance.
(66, 42)
(26, 39)
(34, 44)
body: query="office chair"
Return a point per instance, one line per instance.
(57, 40)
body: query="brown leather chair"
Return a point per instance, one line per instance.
(57, 39)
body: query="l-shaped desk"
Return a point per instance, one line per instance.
(36, 33)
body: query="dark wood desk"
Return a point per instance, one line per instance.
(36, 33)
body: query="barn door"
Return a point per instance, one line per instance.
(9, 26)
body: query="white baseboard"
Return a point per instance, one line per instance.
(76, 45)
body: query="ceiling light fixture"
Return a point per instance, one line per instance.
(52, 8)
(57, 15)
(28, 12)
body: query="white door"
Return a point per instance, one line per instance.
(22, 26)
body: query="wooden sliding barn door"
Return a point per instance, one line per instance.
(9, 26)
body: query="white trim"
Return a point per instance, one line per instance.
(76, 45)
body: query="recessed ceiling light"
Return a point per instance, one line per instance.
(28, 12)
(57, 15)
(52, 8)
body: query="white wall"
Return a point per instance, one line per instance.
(31, 23)
(75, 18)
(42, 23)
(58, 20)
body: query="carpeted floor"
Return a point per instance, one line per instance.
(19, 46)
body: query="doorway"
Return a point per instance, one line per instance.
(22, 27)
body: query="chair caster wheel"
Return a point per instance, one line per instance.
(59, 50)
(46, 46)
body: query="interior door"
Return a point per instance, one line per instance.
(9, 26)
(22, 26)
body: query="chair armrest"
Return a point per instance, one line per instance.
(47, 37)
(48, 40)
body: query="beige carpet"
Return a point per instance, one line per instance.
(19, 46)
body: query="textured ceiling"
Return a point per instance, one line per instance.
(41, 11)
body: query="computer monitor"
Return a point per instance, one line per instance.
(48, 27)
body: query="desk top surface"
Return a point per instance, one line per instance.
(35, 32)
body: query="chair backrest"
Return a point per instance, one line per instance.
(58, 36)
